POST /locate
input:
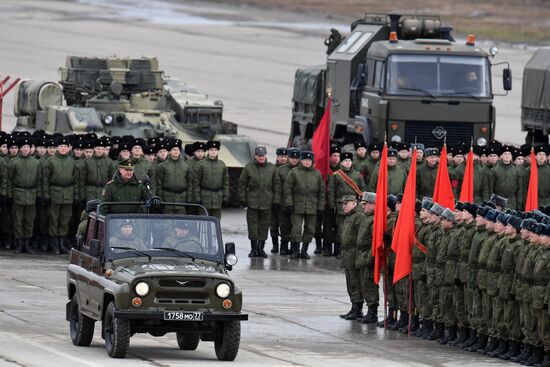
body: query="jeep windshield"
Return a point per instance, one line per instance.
(438, 75)
(168, 236)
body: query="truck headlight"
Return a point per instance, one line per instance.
(142, 289)
(108, 119)
(481, 141)
(223, 290)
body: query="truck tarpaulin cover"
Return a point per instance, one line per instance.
(308, 82)
(536, 81)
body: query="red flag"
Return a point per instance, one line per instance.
(404, 234)
(380, 215)
(443, 192)
(467, 190)
(320, 143)
(532, 201)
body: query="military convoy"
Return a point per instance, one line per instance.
(156, 274)
(400, 77)
(535, 97)
(116, 96)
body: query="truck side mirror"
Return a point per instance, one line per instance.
(94, 248)
(507, 79)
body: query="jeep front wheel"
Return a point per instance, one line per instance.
(117, 333)
(188, 341)
(81, 326)
(228, 340)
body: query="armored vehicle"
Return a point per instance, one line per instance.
(403, 77)
(535, 97)
(156, 274)
(115, 96)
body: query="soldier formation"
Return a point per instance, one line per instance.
(47, 180)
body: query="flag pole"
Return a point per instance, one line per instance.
(410, 301)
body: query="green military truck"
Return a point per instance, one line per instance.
(535, 97)
(156, 274)
(403, 77)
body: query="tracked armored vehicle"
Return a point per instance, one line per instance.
(116, 96)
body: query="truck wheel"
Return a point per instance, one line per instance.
(117, 333)
(228, 341)
(81, 326)
(188, 341)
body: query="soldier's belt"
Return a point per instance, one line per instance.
(175, 191)
(25, 187)
(62, 185)
(211, 190)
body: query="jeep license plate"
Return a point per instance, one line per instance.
(183, 316)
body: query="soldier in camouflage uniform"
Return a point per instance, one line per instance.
(543, 171)
(305, 199)
(211, 181)
(22, 188)
(280, 160)
(94, 173)
(541, 289)
(397, 177)
(60, 191)
(173, 180)
(197, 155)
(284, 215)
(372, 161)
(427, 173)
(355, 219)
(258, 192)
(345, 181)
(360, 160)
(325, 227)
(506, 180)
(6, 220)
(365, 261)
(432, 243)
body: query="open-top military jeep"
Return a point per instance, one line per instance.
(156, 274)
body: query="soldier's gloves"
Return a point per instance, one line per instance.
(289, 208)
(275, 207)
(243, 204)
(156, 202)
(45, 201)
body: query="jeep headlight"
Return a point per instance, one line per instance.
(223, 290)
(108, 119)
(142, 289)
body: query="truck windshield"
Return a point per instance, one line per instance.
(128, 237)
(438, 75)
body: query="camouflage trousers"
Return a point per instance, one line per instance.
(543, 322)
(258, 221)
(459, 304)
(41, 220)
(512, 319)
(214, 213)
(59, 217)
(369, 288)
(421, 296)
(401, 289)
(339, 227)
(486, 313)
(498, 327)
(285, 225)
(329, 230)
(274, 225)
(530, 325)
(303, 227)
(6, 220)
(353, 285)
(23, 220)
(448, 316)
(434, 297)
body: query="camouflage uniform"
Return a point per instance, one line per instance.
(93, 173)
(283, 214)
(118, 190)
(173, 184)
(211, 185)
(365, 262)
(350, 242)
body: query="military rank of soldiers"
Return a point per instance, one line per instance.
(47, 180)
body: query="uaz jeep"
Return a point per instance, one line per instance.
(156, 274)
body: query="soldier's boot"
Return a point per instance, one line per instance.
(295, 250)
(513, 351)
(27, 246)
(7, 242)
(414, 325)
(420, 331)
(389, 319)
(69, 242)
(403, 321)
(438, 333)
(337, 250)
(490, 347)
(428, 329)
(253, 249)
(344, 315)
(304, 254)
(537, 357)
(35, 243)
(44, 242)
(318, 246)
(62, 248)
(54, 244)
(495, 353)
(461, 337)
(481, 343)
(275, 243)
(357, 311)
(18, 246)
(525, 355)
(284, 248)
(505, 349)
(471, 341)
(545, 362)
(450, 335)
(261, 251)
(372, 315)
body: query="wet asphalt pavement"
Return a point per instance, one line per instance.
(293, 308)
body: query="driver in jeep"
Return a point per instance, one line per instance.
(125, 237)
(182, 239)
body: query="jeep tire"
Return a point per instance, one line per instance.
(188, 340)
(228, 340)
(81, 326)
(117, 333)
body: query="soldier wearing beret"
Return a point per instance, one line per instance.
(211, 181)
